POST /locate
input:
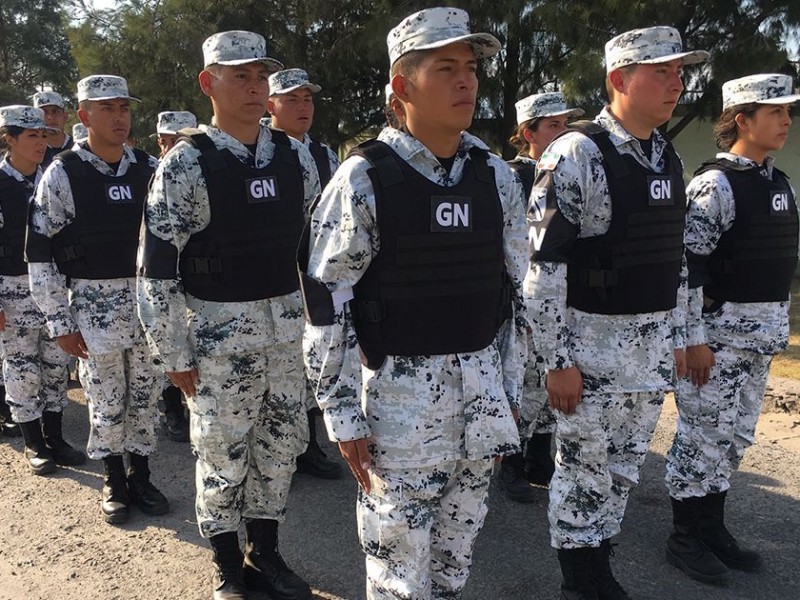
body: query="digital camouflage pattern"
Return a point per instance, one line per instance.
(103, 87)
(649, 45)
(41, 99)
(79, 132)
(412, 552)
(289, 80)
(599, 451)
(34, 367)
(627, 361)
(18, 115)
(245, 439)
(717, 421)
(172, 121)
(434, 422)
(237, 48)
(770, 88)
(437, 27)
(118, 376)
(549, 104)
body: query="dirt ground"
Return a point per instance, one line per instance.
(54, 545)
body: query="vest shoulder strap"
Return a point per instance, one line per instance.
(721, 164)
(600, 137)
(280, 138)
(142, 161)
(73, 164)
(212, 157)
(480, 163)
(283, 148)
(382, 159)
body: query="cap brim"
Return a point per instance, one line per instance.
(570, 112)
(484, 45)
(782, 100)
(274, 65)
(51, 104)
(689, 58)
(131, 98)
(311, 87)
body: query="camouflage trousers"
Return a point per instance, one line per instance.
(35, 372)
(418, 528)
(535, 415)
(248, 424)
(716, 422)
(600, 449)
(122, 391)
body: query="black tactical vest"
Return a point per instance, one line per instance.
(438, 284)
(15, 197)
(526, 172)
(102, 240)
(320, 155)
(754, 260)
(635, 266)
(51, 153)
(248, 250)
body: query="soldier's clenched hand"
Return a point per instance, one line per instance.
(564, 389)
(356, 453)
(186, 381)
(73, 344)
(699, 360)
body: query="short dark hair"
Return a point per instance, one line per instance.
(726, 131)
(408, 63)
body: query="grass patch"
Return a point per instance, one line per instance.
(787, 363)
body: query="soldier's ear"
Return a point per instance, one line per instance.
(742, 122)
(206, 79)
(399, 87)
(83, 115)
(617, 80)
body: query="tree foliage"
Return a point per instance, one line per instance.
(547, 45)
(34, 49)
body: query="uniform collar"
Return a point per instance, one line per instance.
(9, 169)
(408, 147)
(621, 137)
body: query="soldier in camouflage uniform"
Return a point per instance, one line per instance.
(34, 367)
(291, 106)
(168, 124)
(606, 288)
(415, 383)
(540, 118)
(81, 249)
(741, 242)
(55, 117)
(218, 297)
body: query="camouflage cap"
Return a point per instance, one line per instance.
(19, 115)
(79, 132)
(437, 27)
(41, 99)
(388, 93)
(649, 46)
(549, 104)
(290, 80)
(231, 48)
(172, 121)
(103, 87)
(768, 88)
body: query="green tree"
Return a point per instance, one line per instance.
(34, 49)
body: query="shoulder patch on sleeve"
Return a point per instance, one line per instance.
(549, 161)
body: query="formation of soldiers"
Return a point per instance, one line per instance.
(441, 307)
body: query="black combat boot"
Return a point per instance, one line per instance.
(513, 481)
(115, 491)
(264, 567)
(686, 550)
(314, 461)
(228, 581)
(577, 569)
(539, 465)
(717, 537)
(37, 453)
(608, 588)
(62, 452)
(143, 493)
(177, 425)
(8, 428)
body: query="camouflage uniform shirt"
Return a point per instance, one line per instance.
(442, 418)
(761, 327)
(615, 353)
(178, 207)
(103, 310)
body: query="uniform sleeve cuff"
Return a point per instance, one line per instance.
(61, 326)
(344, 426)
(176, 362)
